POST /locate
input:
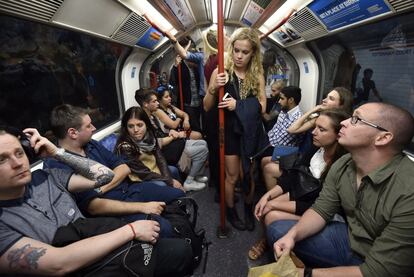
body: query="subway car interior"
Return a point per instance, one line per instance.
(96, 54)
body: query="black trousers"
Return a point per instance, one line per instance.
(194, 113)
(211, 131)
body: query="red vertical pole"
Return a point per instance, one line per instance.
(220, 42)
(180, 86)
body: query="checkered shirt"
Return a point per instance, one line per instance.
(279, 135)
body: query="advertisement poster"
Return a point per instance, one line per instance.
(253, 12)
(150, 39)
(180, 10)
(286, 34)
(338, 13)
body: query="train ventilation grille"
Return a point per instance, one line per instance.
(307, 25)
(41, 10)
(401, 5)
(131, 30)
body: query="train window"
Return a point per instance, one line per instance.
(375, 61)
(279, 65)
(42, 66)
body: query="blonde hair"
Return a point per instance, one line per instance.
(254, 67)
(278, 84)
(210, 42)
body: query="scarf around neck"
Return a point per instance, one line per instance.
(147, 144)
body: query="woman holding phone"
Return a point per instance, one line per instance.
(243, 84)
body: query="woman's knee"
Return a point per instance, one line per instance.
(271, 217)
(265, 161)
(272, 168)
(231, 181)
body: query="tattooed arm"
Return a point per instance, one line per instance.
(94, 174)
(34, 257)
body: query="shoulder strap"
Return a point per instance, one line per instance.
(187, 201)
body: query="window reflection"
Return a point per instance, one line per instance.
(375, 61)
(42, 66)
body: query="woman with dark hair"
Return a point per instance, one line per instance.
(137, 143)
(279, 202)
(171, 117)
(175, 145)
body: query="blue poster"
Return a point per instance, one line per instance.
(150, 39)
(338, 13)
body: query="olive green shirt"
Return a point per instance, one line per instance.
(380, 214)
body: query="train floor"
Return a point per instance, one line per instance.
(226, 256)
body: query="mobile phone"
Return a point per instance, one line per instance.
(226, 96)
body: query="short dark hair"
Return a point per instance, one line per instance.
(162, 89)
(22, 138)
(403, 131)
(292, 92)
(184, 41)
(143, 95)
(64, 117)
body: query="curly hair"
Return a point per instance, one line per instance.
(254, 67)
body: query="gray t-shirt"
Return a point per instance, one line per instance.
(45, 206)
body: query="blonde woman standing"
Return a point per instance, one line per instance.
(246, 101)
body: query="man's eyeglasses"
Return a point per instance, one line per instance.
(355, 119)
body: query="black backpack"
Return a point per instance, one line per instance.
(182, 214)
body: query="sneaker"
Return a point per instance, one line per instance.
(193, 185)
(201, 179)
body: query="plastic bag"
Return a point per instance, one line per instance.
(284, 267)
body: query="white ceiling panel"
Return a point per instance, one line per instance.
(236, 9)
(101, 17)
(198, 9)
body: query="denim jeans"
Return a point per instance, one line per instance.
(328, 248)
(159, 183)
(175, 173)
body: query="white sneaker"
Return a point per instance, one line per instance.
(201, 179)
(193, 185)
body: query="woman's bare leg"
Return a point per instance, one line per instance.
(271, 172)
(232, 170)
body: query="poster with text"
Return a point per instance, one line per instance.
(338, 13)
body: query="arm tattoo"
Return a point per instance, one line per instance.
(88, 168)
(103, 177)
(25, 257)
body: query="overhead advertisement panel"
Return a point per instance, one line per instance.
(150, 39)
(180, 10)
(252, 14)
(338, 13)
(286, 34)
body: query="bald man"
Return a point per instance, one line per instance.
(372, 186)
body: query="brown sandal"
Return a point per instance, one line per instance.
(257, 249)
